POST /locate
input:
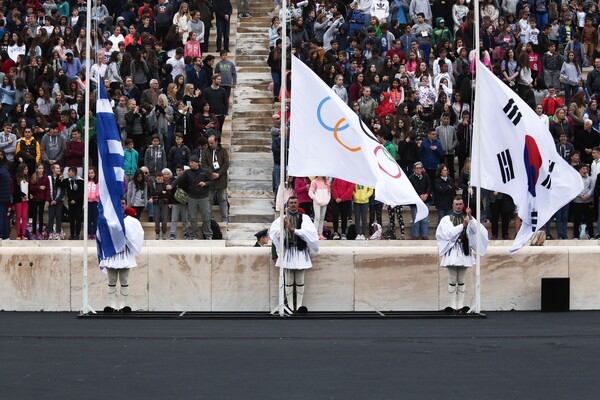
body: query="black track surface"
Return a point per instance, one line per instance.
(513, 355)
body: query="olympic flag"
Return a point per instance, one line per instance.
(519, 158)
(111, 229)
(328, 139)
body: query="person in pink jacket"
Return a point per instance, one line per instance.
(301, 187)
(341, 206)
(93, 199)
(320, 193)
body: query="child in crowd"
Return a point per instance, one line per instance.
(131, 160)
(21, 201)
(178, 210)
(320, 193)
(55, 208)
(39, 198)
(74, 189)
(93, 198)
(160, 201)
(360, 200)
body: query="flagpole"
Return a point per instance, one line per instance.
(86, 308)
(476, 128)
(281, 308)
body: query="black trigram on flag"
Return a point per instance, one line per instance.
(547, 183)
(506, 166)
(512, 112)
(534, 221)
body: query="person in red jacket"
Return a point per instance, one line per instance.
(74, 153)
(551, 102)
(39, 198)
(341, 203)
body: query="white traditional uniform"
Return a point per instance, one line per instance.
(134, 238)
(452, 239)
(296, 259)
(117, 267)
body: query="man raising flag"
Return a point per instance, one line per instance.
(518, 156)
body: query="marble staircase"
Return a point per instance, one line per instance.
(251, 161)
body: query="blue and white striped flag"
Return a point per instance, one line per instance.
(111, 174)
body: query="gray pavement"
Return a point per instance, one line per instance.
(513, 355)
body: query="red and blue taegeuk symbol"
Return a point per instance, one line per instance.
(533, 163)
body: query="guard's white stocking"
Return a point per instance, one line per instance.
(299, 287)
(289, 288)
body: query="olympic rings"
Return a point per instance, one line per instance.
(327, 127)
(389, 157)
(335, 135)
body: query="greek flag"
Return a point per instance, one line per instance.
(111, 174)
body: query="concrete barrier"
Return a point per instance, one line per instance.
(200, 276)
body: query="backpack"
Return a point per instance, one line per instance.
(351, 232)
(216, 230)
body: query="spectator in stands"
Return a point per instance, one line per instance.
(21, 201)
(159, 197)
(582, 205)
(216, 160)
(93, 198)
(228, 73)
(39, 197)
(5, 197)
(218, 99)
(444, 191)
(432, 154)
(136, 124)
(222, 9)
(178, 210)
(155, 157)
(53, 148)
(74, 187)
(163, 19)
(198, 182)
(8, 144)
(422, 185)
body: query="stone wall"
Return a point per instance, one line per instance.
(205, 278)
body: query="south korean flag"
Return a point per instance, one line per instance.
(517, 156)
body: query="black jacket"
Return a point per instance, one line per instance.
(190, 179)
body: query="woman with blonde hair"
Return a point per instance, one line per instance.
(181, 19)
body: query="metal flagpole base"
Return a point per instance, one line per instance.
(87, 309)
(282, 310)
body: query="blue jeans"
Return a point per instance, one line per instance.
(360, 220)
(276, 176)
(221, 199)
(426, 49)
(222, 34)
(442, 213)
(541, 19)
(571, 90)
(419, 229)
(276, 76)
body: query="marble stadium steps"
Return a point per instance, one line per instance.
(250, 186)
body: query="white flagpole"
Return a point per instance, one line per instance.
(476, 131)
(86, 308)
(281, 308)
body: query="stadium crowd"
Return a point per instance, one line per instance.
(406, 67)
(169, 95)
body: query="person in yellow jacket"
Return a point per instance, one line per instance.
(28, 150)
(360, 201)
